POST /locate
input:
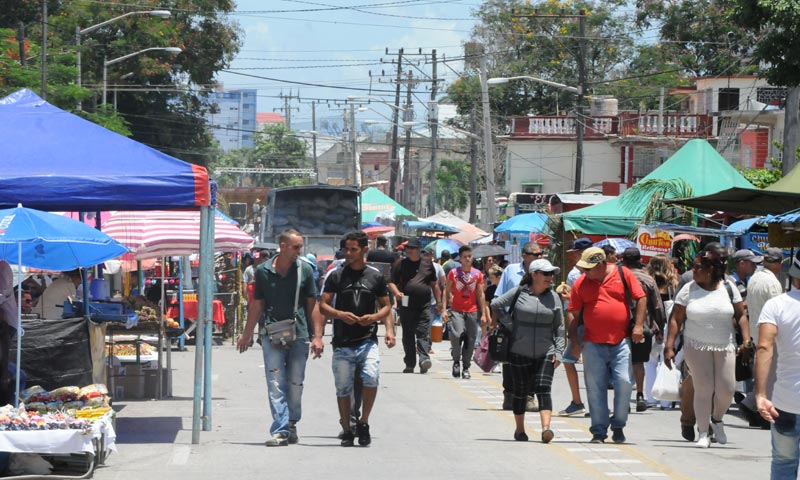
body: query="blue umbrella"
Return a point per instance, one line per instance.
(524, 223)
(51, 242)
(619, 244)
(449, 244)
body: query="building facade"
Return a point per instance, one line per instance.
(232, 117)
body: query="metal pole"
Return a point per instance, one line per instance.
(199, 338)
(208, 304)
(182, 338)
(314, 139)
(487, 146)
(356, 161)
(473, 170)
(393, 160)
(44, 53)
(434, 117)
(406, 190)
(105, 78)
(78, 62)
(580, 125)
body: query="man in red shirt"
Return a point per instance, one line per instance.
(466, 285)
(599, 298)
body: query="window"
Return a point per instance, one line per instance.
(771, 95)
(531, 187)
(728, 99)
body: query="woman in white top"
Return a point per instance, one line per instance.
(705, 308)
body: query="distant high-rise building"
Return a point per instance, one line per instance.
(232, 119)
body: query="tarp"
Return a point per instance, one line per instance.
(375, 202)
(53, 160)
(696, 162)
(524, 223)
(162, 233)
(781, 196)
(448, 218)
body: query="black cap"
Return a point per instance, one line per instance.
(631, 255)
(581, 244)
(413, 243)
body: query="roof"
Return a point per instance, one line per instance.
(374, 202)
(583, 198)
(705, 170)
(269, 117)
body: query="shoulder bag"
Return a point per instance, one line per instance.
(628, 303)
(500, 337)
(743, 366)
(282, 333)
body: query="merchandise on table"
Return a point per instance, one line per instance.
(128, 349)
(65, 400)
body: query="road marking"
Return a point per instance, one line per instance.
(180, 455)
(636, 474)
(596, 449)
(611, 460)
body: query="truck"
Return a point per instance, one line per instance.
(321, 213)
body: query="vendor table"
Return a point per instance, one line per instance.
(96, 444)
(121, 334)
(190, 310)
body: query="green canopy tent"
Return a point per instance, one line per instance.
(374, 202)
(782, 196)
(705, 170)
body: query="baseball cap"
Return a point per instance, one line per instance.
(794, 270)
(543, 265)
(631, 254)
(745, 254)
(591, 257)
(581, 244)
(773, 255)
(429, 251)
(413, 243)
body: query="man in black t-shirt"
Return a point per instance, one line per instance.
(412, 280)
(381, 254)
(362, 301)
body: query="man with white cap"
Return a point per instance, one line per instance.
(763, 285)
(779, 333)
(600, 298)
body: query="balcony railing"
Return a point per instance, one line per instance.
(624, 124)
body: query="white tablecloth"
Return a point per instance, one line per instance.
(59, 441)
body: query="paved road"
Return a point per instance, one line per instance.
(424, 426)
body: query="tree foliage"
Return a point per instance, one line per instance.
(764, 177)
(275, 147)
(452, 185)
(776, 24)
(162, 101)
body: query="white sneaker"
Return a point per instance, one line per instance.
(703, 442)
(719, 432)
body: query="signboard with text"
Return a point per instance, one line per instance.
(653, 241)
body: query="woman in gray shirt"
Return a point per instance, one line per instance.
(537, 342)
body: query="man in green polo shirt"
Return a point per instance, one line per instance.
(276, 284)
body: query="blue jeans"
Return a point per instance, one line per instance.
(601, 361)
(285, 369)
(785, 446)
(364, 358)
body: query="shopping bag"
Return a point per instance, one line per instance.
(667, 385)
(500, 343)
(481, 356)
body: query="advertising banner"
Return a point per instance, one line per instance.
(652, 241)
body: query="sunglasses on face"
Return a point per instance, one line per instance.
(546, 274)
(534, 254)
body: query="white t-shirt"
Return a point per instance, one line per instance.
(762, 286)
(56, 294)
(783, 311)
(709, 316)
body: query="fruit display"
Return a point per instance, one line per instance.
(129, 349)
(147, 310)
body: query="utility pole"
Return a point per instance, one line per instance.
(790, 131)
(44, 50)
(21, 40)
(393, 155)
(406, 190)
(356, 161)
(487, 146)
(314, 139)
(287, 108)
(580, 119)
(473, 168)
(433, 114)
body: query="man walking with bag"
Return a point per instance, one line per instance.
(362, 301)
(601, 295)
(285, 291)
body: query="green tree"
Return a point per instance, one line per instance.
(764, 177)
(275, 147)
(452, 185)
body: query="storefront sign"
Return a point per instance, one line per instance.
(653, 241)
(755, 241)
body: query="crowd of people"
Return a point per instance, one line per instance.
(617, 315)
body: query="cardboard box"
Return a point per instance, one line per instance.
(151, 383)
(126, 382)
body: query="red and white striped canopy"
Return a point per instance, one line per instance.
(162, 233)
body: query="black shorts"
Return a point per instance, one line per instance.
(640, 352)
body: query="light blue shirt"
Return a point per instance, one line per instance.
(510, 278)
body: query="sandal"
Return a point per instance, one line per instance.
(547, 435)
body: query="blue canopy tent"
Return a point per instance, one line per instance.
(54, 160)
(524, 223)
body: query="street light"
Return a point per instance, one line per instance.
(80, 32)
(579, 120)
(106, 63)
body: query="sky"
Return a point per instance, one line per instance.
(337, 43)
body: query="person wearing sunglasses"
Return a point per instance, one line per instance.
(599, 297)
(537, 342)
(510, 279)
(704, 308)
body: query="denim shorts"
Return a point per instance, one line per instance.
(365, 358)
(568, 357)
